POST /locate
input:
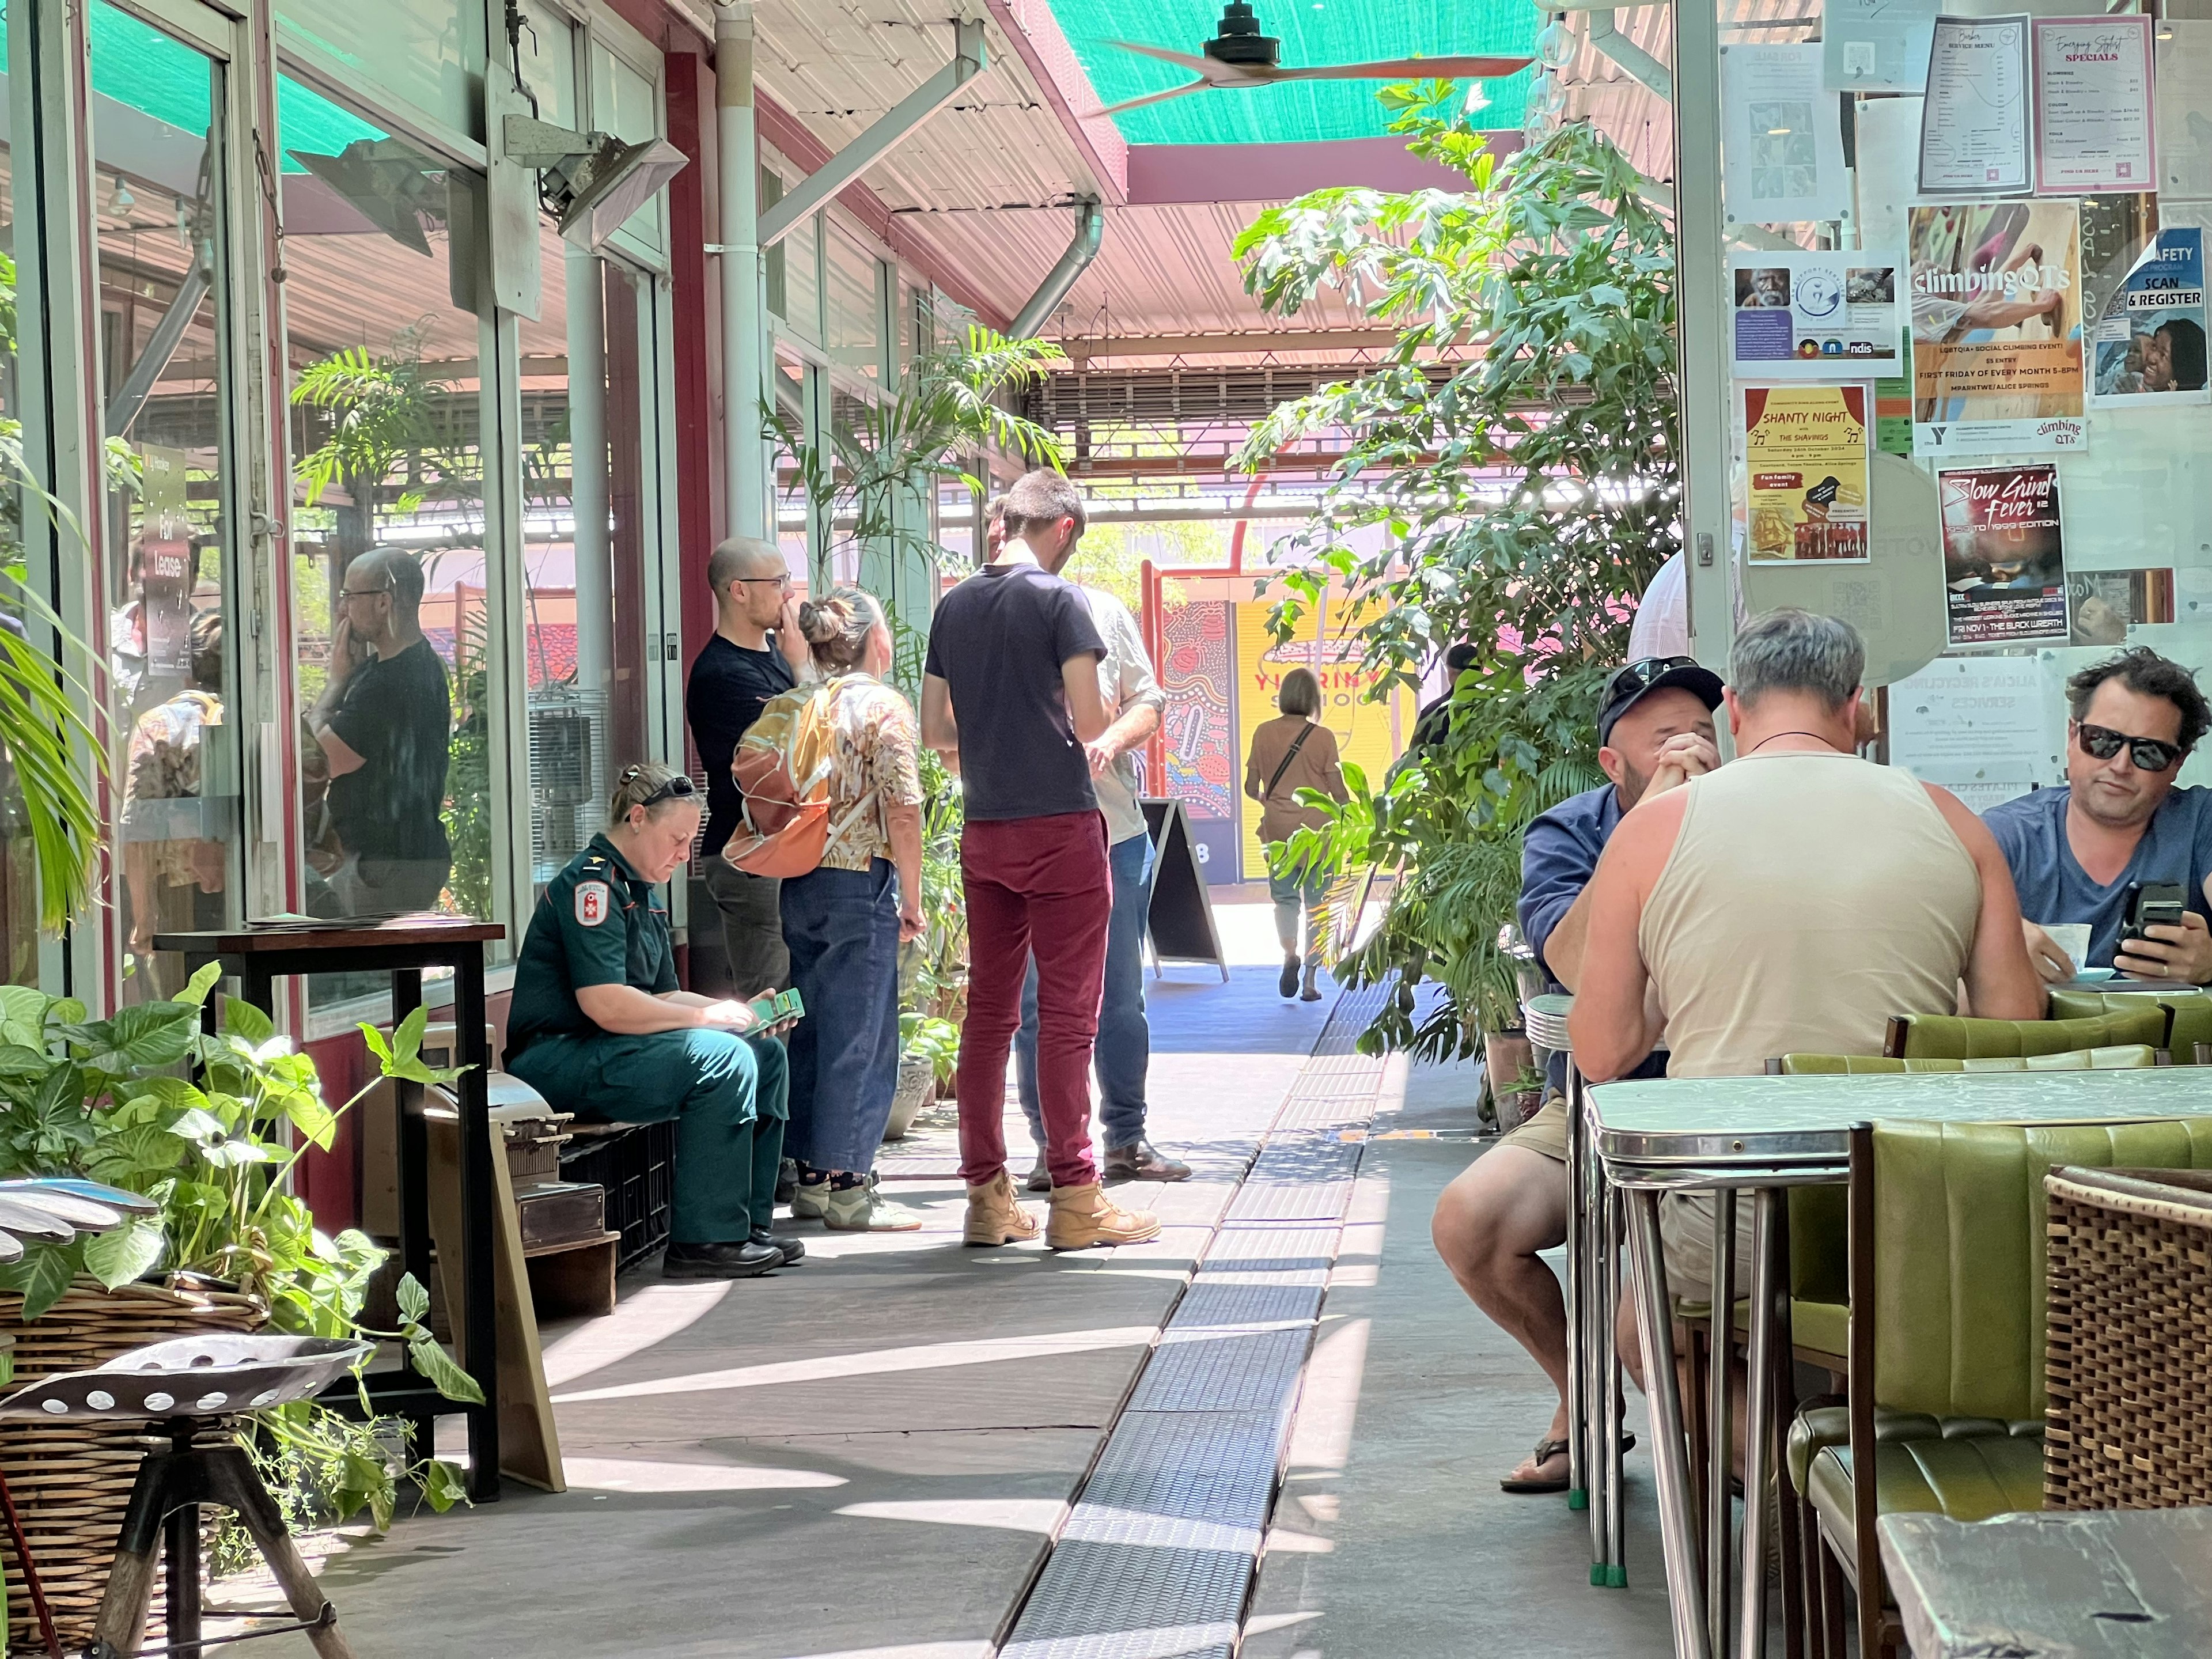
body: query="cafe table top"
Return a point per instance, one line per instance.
(1807, 1121)
(2101, 1584)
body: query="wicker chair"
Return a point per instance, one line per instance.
(2128, 1350)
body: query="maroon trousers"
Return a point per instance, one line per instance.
(1039, 885)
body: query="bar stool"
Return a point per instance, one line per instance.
(189, 1389)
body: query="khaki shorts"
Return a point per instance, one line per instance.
(1545, 1132)
(1686, 1237)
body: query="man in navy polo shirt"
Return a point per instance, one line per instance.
(1655, 733)
(2076, 851)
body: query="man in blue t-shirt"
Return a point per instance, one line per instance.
(1655, 733)
(2078, 851)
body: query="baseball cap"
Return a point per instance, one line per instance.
(1638, 680)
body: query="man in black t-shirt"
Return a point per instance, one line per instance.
(756, 653)
(1012, 686)
(385, 721)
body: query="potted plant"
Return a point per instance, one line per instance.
(1527, 491)
(231, 1246)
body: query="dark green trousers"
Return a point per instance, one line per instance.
(727, 1094)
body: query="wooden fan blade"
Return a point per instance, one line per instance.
(1150, 98)
(1407, 69)
(1185, 59)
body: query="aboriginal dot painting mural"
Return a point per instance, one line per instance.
(1198, 664)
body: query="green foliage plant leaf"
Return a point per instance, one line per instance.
(126, 1253)
(43, 1274)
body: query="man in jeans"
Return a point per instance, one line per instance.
(1010, 685)
(756, 651)
(1122, 1053)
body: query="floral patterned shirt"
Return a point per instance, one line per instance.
(877, 749)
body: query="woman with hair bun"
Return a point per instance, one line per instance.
(845, 919)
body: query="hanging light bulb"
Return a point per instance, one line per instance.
(1555, 45)
(1537, 127)
(121, 201)
(1551, 96)
(1477, 98)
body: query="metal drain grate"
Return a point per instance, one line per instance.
(1322, 1202)
(1273, 1249)
(1222, 1371)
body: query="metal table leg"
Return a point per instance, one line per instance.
(1767, 1308)
(1719, 1517)
(1616, 1511)
(1670, 1459)
(1578, 1441)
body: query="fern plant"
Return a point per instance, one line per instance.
(1528, 490)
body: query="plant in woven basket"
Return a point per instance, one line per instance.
(101, 1098)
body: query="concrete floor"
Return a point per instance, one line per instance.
(866, 1456)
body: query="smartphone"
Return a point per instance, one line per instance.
(2153, 904)
(778, 1007)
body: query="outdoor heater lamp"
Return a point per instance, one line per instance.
(592, 181)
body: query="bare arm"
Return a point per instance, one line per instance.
(1131, 727)
(1086, 709)
(939, 730)
(904, 825)
(2001, 983)
(628, 1011)
(1614, 1023)
(1562, 948)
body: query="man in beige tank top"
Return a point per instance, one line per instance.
(1791, 901)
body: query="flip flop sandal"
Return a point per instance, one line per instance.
(1545, 1450)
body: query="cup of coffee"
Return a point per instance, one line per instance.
(2071, 937)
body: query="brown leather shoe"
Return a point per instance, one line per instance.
(1083, 1216)
(1142, 1161)
(993, 1216)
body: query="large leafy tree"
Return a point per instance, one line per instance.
(1518, 446)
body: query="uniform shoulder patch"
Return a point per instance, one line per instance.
(593, 900)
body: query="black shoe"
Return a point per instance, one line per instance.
(746, 1261)
(793, 1251)
(786, 1181)
(1288, 984)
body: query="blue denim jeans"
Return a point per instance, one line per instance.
(1123, 1052)
(842, 929)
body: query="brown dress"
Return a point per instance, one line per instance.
(1315, 768)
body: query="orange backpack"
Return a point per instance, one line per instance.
(784, 768)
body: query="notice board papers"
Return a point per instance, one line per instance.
(1876, 45)
(1815, 316)
(1996, 327)
(1783, 140)
(2004, 562)
(2150, 341)
(1973, 123)
(1806, 457)
(2093, 105)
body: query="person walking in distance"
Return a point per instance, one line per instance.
(1294, 752)
(756, 653)
(1010, 686)
(1122, 1053)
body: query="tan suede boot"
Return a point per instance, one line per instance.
(993, 1216)
(1083, 1216)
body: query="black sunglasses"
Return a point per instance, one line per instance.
(2149, 754)
(675, 788)
(1642, 675)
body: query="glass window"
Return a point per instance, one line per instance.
(586, 527)
(794, 513)
(855, 338)
(389, 615)
(624, 102)
(19, 886)
(800, 264)
(430, 53)
(547, 48)
(158, 182)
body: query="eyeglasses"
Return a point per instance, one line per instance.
(1642, 675)
(2149, 754)
(361, 592)
(674, 789)
(783, 580)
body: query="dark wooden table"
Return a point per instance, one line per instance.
(260, 956)
(2062, 1584)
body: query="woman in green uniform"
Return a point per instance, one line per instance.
(598, 1028)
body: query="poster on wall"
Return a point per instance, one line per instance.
(1781, 137)
(1369, 734)
(1877, 45)
(2150, 342)
(1997, 328)
(2182, 53)
(1973, 122)
(2107, 605)
(1805, 456)
(1977, 726)
(2093, 105)
(2004, 560)
(1815, 316)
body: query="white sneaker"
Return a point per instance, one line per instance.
(858, 1210)
(811, 1201)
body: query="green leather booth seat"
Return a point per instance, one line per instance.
(1822, 1327)
(1964, 1476)
(2120, 1057)
(2190, 1013)
(1819, 1427)
(1955, 1036)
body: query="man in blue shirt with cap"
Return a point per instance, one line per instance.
(1655, 733)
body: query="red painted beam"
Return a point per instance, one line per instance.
(696, 343)
(1166, 175)
(1035, 35)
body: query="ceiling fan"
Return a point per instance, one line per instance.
(1241, 56)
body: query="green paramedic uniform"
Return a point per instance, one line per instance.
(600, 923)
